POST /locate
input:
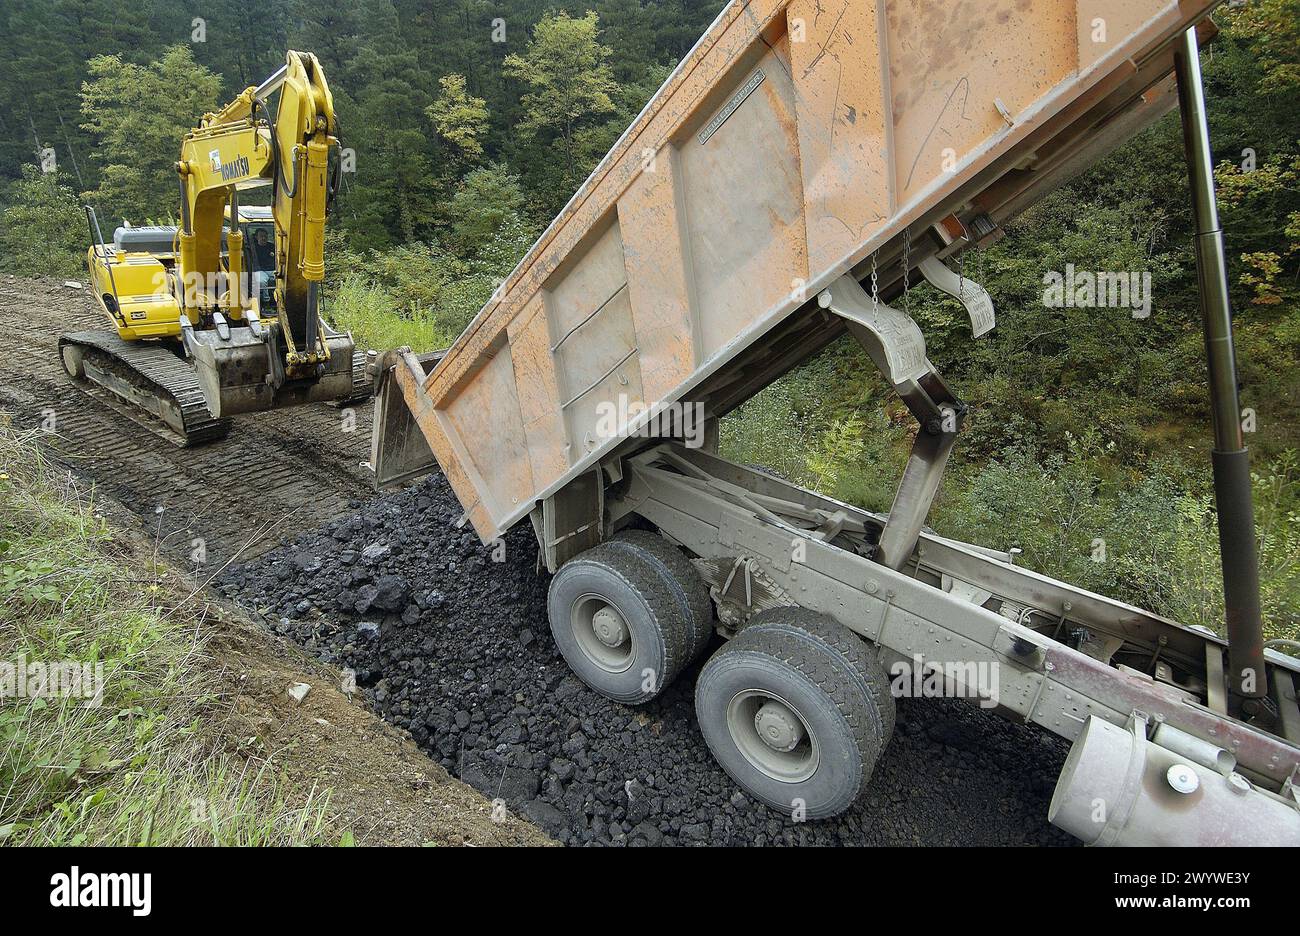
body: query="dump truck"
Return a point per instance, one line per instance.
(802, 167)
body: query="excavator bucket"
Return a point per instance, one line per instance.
(235, 373)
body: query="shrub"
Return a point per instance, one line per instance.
(42, 230)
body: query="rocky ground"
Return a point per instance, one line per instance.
(322, 742)
(380, 786)
(287, 470)
(454, 646)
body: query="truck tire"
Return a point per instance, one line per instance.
(671, 564)
(853, 651)
(619, 626)
(789, 718)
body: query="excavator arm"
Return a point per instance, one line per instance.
(244, 146)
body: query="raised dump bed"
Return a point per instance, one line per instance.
(794, 141)
(802, 165)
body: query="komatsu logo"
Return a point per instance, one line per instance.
(234, 169)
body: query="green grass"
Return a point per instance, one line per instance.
(146, 766)
(377, 322)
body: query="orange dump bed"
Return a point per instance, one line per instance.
(796, 139)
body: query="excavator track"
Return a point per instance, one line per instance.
(362, 386)
(146, 381)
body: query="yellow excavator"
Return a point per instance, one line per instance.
(221, 315)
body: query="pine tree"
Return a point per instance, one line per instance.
(243, 40)
(394, 195)
(332, 30)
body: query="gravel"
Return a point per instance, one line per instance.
(456, 648)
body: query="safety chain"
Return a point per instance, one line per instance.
(875, 284)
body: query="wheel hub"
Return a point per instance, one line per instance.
(771, 734)
(609, 627)
(778, 727)
(602, 633)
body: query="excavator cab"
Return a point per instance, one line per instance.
(259, 253)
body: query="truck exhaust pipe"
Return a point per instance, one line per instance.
(1247, 678)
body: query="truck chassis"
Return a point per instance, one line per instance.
(1064, 657)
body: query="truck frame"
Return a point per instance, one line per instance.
(779, 192)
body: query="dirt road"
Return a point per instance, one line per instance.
(275, 475)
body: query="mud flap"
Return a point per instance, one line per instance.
(398, 449)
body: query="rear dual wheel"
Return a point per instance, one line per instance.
(629, 616)
(796, 710)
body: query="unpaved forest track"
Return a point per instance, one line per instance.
(275, 475)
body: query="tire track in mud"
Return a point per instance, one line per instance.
(274, 476)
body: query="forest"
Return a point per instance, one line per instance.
(470, 123)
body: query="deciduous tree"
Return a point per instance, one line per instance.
(567, 71)
(42, 231)
(460, 118)
(137, 115)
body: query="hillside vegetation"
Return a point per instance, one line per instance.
(136, 756)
